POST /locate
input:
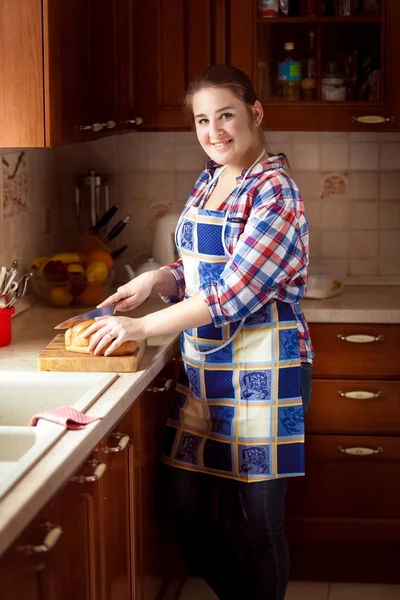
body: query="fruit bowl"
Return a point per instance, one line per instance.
(70, 279)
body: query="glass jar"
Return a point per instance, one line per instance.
(346, 8)
(333, 89)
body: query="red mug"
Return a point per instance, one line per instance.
(5, 325)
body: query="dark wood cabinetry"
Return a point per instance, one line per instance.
(97, 539)
(343, 517)
(79, 70)
(345, 48)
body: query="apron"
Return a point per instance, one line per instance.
(237, 411)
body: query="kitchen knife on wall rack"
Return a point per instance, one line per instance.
(116, 230)
(106, 218)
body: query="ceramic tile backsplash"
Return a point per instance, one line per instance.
(28, 205)
(350, 183)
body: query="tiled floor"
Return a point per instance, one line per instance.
(197, 589)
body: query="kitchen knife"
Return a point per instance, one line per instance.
(107, 216)
(117, 253)
(87, 316)
(116, 230)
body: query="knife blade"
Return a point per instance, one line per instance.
(87, 316)
(116, 230)
(107, 216)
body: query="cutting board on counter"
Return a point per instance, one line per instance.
(56, 358)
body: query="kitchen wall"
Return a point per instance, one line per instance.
(28, 204)
(350, 183)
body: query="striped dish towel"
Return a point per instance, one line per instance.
(64, 415)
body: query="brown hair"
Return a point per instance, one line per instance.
(231, 78)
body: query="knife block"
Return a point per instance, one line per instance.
(86, 242)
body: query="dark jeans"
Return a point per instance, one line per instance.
(248, 559)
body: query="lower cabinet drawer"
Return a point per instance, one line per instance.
(348, 477)
(354, 406)
(356, 350)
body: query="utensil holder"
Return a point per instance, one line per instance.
(5, 325)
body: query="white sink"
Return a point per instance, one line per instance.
(24, 394)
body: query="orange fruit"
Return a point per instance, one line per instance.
(96, 272)
(103, 256)
(60, 296)
(92, 295)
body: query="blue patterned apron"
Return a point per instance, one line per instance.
(237, 410)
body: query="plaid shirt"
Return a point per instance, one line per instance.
(266, 235)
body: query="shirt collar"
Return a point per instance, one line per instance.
(272, 163)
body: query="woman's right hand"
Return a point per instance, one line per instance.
(131, 294)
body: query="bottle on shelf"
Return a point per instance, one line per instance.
(289, 75)
(308, 86)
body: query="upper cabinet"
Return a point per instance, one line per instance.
(82, 69)
(175, 40)
(321, 64)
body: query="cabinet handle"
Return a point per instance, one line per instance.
(137, 121)
(53, 533)
(167, 386)
(360, 339)
(372, 119)
(98, 472)
(98, 126)
(360, 451)
(360, 395)
(122, 443)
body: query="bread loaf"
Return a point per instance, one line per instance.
(74, 342)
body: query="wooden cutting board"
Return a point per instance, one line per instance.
(56, 358)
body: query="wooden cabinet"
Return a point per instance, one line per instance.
(357, 51)
(59, 63)
(175, 40)
(97, 538)
(343, 518)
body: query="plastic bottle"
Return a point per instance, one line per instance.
(289, 75)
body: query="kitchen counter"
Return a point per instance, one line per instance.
(356, 304)
(32, 331)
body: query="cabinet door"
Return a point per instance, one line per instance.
(175, 41)
(23, 568)
(74, 567)
(119, 505)
(81, 65)
(163, 566)
(355, 55)
(21, 81)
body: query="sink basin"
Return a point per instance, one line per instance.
(24, 394)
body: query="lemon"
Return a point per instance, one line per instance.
(75, 268)
(60, 296)
(96, 272)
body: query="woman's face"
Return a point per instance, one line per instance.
(224, 128)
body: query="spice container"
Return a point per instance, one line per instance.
(333, 89)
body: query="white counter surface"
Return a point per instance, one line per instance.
(32, 331)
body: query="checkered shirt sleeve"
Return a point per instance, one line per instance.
(270, 258)
(177, 271)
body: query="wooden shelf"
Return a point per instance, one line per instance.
(309, 20)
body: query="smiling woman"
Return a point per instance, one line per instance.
(237, 419)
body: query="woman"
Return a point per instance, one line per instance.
(236, 423)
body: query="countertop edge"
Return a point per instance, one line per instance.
(32, 492)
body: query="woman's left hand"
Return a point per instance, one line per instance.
(120, 329)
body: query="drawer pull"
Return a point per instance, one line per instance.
(167, 386)
(360, 451)
(98, 472)
(360, 339)
(123, 441)
(359, 395)
(53, 533)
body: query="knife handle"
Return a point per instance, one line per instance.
(117, 253)
(116, 230)
(108, 215)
